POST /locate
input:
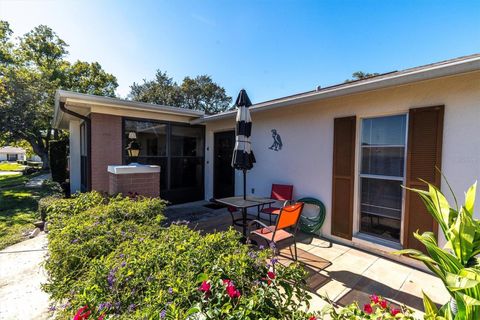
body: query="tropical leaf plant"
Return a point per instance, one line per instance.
(456, 263)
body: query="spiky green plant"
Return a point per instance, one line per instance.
(456, 263)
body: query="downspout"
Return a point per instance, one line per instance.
(89, 129)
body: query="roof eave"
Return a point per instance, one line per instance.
(456, 68)
(65, 96)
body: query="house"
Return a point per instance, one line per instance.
(8, 153)
(351, 145)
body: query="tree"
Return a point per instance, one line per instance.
(360, 75)
(162, 90)
(31, 70)
(90, 78)
(199, 93)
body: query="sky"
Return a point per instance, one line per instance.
(270, 48)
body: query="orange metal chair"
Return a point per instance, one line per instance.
(288, 217)
(280, 192)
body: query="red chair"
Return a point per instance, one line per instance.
(287, 218)
(280, 192)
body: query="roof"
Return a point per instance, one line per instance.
(12, 150)
(440, 69)
(81, 103)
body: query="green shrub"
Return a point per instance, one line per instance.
(58, 159)
(113, 257)
(61, 210)
(56, 193)
(45, 203)
(89, 226)
(147, 277)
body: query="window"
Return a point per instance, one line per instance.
(178, 149)
(383, 145)
(152, 138)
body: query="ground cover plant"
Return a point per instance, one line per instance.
(113, 258)
(18, 208)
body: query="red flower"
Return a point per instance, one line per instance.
(383, 304)
(367, 308)
(271, 275)
(82, 314)
(374, 298)
(231, 290)
(312, 318)
(205, 287)
(394, 312)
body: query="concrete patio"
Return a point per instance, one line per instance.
(342, 273)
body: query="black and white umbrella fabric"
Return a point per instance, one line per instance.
(243, 158)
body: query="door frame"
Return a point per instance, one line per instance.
(214, 158)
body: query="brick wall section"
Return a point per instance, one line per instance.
(145, 184)
(106, 147)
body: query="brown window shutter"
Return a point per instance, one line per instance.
(343, 176)
(424, 155)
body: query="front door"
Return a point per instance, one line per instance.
(224, 174)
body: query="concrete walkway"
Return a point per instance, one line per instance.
(21, 275)
(36, 182)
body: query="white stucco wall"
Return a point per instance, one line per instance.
(307, 134)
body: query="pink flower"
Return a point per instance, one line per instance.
(205, 287)
(271, 275)
(82, 314)
(367, 308)
(226, 281)
(394, 312)
(374, 298)
(383, 304)
(312, 318)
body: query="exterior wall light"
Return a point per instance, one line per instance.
(133, 147)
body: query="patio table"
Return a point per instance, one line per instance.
(243, 205)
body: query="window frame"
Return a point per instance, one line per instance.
(359, 175)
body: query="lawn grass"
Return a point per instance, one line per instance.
(18, 209)
(11, 166)
(14, 179)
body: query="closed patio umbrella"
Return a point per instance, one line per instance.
(243, 158)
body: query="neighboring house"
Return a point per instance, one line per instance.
(12, 154)
(352, 146)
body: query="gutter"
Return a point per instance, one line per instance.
(73, 113)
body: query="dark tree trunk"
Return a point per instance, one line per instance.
(39, 146)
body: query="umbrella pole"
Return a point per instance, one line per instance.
(244, 184)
